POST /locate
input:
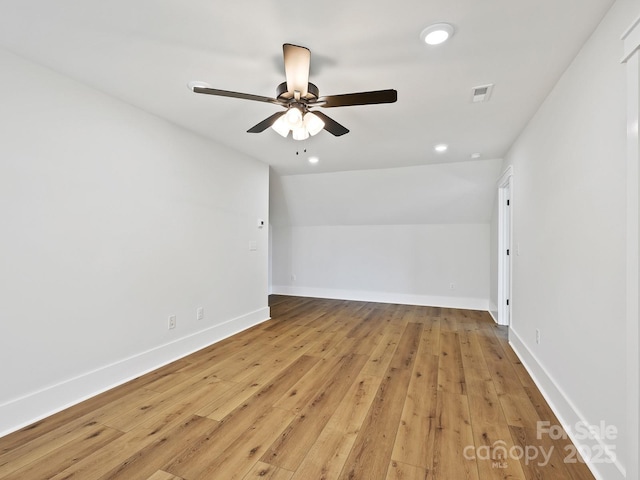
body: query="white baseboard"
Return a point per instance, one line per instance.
(607, 468)
(493, 311)
(463, 303)
(31, 408)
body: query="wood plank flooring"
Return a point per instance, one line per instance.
(326, 390)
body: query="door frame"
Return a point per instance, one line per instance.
(631, 59)
(505, 235)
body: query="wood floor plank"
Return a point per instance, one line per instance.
(326, 457)
(404, 471)
(485, 405)
(415, 438)
(366, 340)
(293, 444)
(300, 394)
(502, 372)
(491, 449)
(430, 341)
(450, 368)
(221, 406)
(365, 321)
(484, 402)
(153, 456)
(475, 367)
(381, 356)
(196, 459)
(264, 471)
(326, 341)
(453, 436)
(218, 352)
(165, 377)
(61, 422)
(548, 461)
(118, 451)
(541, 405)
(238, 458)
(38, 464)
(518, 410)
(242, 364)
(448, 320)
(371, 453)
(160, 475)
(325, 390)
(16, 458)
(416, 432)
(251, 381)
(192, 392)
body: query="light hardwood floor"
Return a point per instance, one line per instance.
(327, 389)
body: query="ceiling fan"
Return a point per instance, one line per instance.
(298, 96)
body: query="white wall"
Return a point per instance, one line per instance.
(631, 40)
(389, 235)
(413, 264)
(113, 219)
(569, 222)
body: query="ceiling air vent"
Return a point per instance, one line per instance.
(481, 93)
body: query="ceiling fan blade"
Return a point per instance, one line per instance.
(296, 68)
(361, 98)
(330, 125)
(266, 123)
(227, 93)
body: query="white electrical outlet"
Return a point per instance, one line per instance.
(199, 313)
(537, 336)
(172, 321)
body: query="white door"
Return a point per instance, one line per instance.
(505, 251)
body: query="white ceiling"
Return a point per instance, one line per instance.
(146, 51)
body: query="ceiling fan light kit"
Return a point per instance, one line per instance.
(302, 125)
(281, 126)
(298, 96)
(313, 123)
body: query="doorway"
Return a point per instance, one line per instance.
(505, 250)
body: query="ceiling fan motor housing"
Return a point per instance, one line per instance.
(283, 94)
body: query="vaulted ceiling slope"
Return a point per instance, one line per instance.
(144, 52)
(454, 193)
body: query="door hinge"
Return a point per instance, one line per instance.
(507, 251)
(507, 301)
(508, 202)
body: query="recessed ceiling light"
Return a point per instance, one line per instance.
(441, 148)
(314, 159)
(475, 155)
(437, 33)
